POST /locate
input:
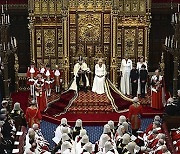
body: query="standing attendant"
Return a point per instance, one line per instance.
(135, 112)
(156, 90)
(31, 77)
(58, 79)
(143, 79)
(33, 115)
(126, 66)
(139, 65)
(49, 75)
(99, 79)
(42, 70)
(134, 76)
(40, 93)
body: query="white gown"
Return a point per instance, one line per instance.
(139, 64)
(98, 84)
(126, 67)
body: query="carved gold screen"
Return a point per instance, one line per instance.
(90, 36)
(60, 31)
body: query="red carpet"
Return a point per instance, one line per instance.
(61, 104)
(98, 119)
(91, 103)
(92, 108)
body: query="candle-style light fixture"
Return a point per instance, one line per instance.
(172, 45)
(8, 46)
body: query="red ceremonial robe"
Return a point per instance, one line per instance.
(135, 111)
(33, 116)
(156, 92)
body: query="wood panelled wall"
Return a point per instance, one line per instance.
(160, 28)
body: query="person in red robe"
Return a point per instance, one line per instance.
(40, 93)
(156, 91)
(33, 115)
(58, 79)
(42, 70)
(31, 77)
(134, 116)
(49, 79)
(150, 126)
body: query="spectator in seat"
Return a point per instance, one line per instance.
(8, 129)
(39, 136)
(64, 137)
(122, 119)
(59, 130)
(5, 104)
(171, 107)
(109, 149)
(159, 145)
(122, 147)
(79, 137)
(32, 149)
(132, 148)
(150, 127)
(99, 145)
(17, 115)
(4, 145)
(107, 130)
(81, 143)
(67, 148)
(127, 127)
(77, 128)
(120, 132)
(88, 148)
(164, 150)
(112, 128)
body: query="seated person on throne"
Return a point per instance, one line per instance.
(80, 71)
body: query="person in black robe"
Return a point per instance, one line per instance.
(134, 76)
(143, 79)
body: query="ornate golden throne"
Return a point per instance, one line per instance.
(60, 31)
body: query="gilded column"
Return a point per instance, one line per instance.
(146, 43)
(31, 32)
(31, 28)
(66, 47)
(113, 64)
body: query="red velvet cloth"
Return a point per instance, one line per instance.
(119, 101)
